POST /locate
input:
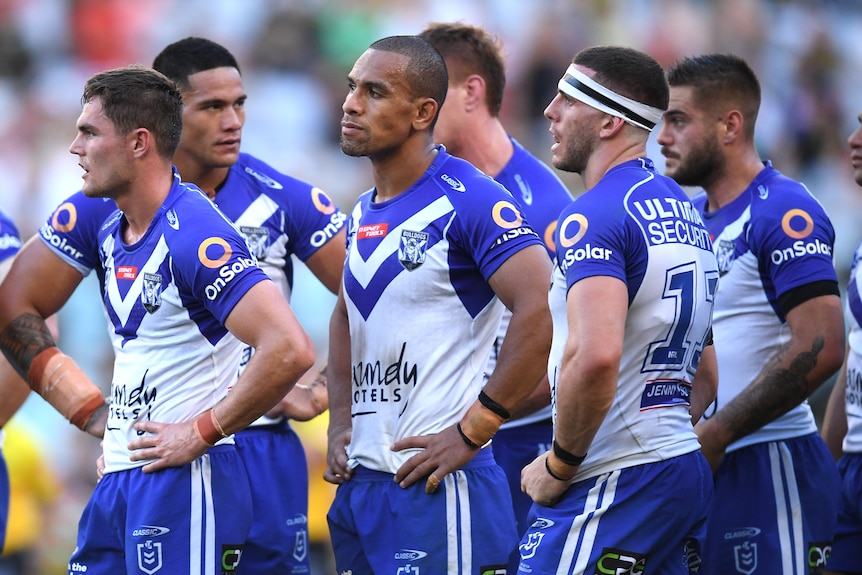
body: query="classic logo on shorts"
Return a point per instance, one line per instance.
(409, 555)
(151, 295)
(620, 562)
(411, 251)
(230, 556)
(257, 240)
(745, 557)
(149, 556)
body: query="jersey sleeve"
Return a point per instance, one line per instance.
(490, 224)
(72, 231)
(210, 256)
(591, 239)
(313, 219)
(10, 239)
(794, 240)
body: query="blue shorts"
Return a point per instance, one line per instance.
(191, 519)
(847, 548)
(644, 519)
(515, 448)
(4, 499)
(465, 528)
(278, 473)
(776, 505)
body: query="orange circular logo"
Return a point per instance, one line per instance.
(220, 261)
(790, 222)
(321, 201)
(506, 215)
(568, 239)
(549, 236)
(72, 213)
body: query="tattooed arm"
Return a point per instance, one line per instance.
(36, 287)
(814, 353)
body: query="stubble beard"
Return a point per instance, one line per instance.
(702, 166)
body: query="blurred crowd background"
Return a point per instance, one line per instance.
(295, 55)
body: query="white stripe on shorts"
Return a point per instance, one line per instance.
(596, 505)
(458, 524)
(201, 478)
(789, 520)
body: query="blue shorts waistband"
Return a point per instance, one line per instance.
(485, 458)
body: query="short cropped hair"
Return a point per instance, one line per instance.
(426, 70)
(191, 55)
(471, 50)
(628, 72)
(135, 97)
(720, 82)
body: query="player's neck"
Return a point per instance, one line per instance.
(141, 202)
(489, 149)
(209, 180)
(736, 177)
(397, 172)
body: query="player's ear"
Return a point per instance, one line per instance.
(426, 111)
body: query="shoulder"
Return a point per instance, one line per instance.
(266, 179)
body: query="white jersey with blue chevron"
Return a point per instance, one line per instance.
(640, 227)
(422, 315)
(10, 240)
(166, 298)
(774, 237)
(280, 216)
(541, 196)
(853, 392)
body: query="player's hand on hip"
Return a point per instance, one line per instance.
(337, 469)
(441, 454)
(540, 485)
(710, 445)
(169, 444)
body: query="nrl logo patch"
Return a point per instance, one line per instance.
(411, 251)
(151, 296)
(149, 557)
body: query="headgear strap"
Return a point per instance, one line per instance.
(581, 87)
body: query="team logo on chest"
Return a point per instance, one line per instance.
(411, 251)
(724, 253)
(257, 240)
(151, 295)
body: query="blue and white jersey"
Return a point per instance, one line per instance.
(422, 315)
(541, 196)
(10, 239)
(280, 216)
(640, 227)
(166, 298)
(774, 237)
(853, 394)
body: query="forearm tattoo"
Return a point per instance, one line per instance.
(23, 339)
(775, 392)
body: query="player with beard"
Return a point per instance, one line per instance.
(778, 326)
(624, 487)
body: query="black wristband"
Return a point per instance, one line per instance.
(551, 473)
(493, 405)
(568, 458)
(466, 439)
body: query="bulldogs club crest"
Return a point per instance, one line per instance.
(151, 296)
(257, 240)
(411, 251)
(725, 254)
